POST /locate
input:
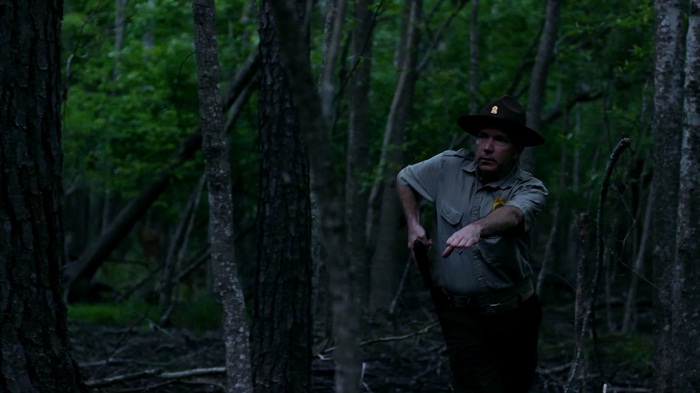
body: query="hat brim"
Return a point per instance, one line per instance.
(524, 136)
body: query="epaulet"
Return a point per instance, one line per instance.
(525, 175)
(461, 153)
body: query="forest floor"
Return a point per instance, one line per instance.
(403, 352)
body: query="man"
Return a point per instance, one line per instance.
(486, 207)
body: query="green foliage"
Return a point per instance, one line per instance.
(126, 111)
(123, 314)
(199, 313)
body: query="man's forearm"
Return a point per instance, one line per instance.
(499, 221)
(409, 202)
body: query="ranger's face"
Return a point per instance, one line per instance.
(496, 153)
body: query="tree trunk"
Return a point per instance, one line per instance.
(34, 348)
(352, 284)
(474, 58)
(629, 316)
(387, 261)
(538, 80)
(687, 272)
(332, 36)
(221, 238)
(294, 51)
(668, 106)
(178, 247)
(119, 20)
(282, 324)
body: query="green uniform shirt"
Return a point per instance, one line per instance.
(496, 264)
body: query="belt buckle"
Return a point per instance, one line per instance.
(492, 308)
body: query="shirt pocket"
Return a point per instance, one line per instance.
(501, 254)
(449, 214)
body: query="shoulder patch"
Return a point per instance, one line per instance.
(461, 153)
(525, 175)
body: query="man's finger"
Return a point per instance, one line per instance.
(448, 251)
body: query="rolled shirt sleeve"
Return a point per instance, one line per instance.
(529, 198)
(423, 177)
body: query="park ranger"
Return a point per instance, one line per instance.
(482, 284)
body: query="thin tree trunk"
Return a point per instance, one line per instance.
(356, 280)
(119, 20)
(578, 364)
(332, 36)
(668, 107)
(178, 245)
(218, 170)
(549, 247)
(629, 317)
(386, 267)
(540, 71)
(474, 58)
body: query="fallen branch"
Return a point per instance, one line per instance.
(385, 339)
(157, 373)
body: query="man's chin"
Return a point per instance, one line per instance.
(487, 166)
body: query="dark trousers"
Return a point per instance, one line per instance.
(492, 353)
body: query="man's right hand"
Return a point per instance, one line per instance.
(417, 232)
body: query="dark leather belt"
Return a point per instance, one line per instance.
(478, 304)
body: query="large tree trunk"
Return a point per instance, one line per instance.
(221, 237)
(294, 51)
(686, 292)
(34, 349)
(282, 324)
(668, 106)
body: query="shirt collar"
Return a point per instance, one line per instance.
(507, 181)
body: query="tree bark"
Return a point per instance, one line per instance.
(474, 58)
(538, 80)
(35, 353)
(351, 282)
(686, 292)
(386, 260)
(668, 106)
(332, 36)
(282, 323)
(218, 170)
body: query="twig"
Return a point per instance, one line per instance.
(614, 157)
(589, 316)
(386, 339)
(96, 383)
(580, 317)
(392, 307)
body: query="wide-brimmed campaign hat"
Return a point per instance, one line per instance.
(505, 114)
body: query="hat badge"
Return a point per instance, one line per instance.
(494, 110)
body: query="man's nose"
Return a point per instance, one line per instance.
(488, 144)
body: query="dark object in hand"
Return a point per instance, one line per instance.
(420, 256)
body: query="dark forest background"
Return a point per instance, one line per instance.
(301, 238)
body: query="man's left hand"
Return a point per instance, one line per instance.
(465, 237)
